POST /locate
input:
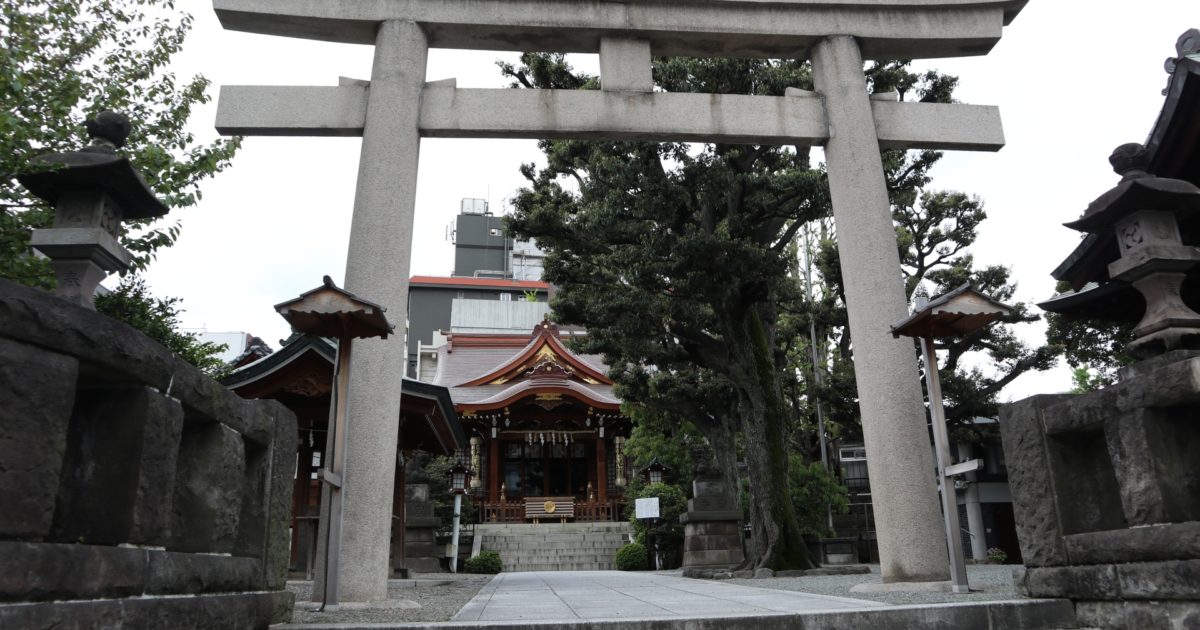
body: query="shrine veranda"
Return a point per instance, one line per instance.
(397, 107)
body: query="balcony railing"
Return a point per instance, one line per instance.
(585, 511)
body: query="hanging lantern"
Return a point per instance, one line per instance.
(655, 472)
(460, 476)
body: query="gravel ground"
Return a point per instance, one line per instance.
(438, 598)
(988, 582)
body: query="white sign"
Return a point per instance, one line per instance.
(646, 508)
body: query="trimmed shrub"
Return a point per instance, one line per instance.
(631, 557)
(667, 530)
(485, 562)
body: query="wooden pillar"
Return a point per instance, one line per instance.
(601, 471)
(398, 517)
(493, 477)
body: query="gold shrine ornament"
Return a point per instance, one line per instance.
(549, 506)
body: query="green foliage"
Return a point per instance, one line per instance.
(666, 531)
(531, 295)
(631, 557)
(486, 562)
(659, 434)
(61, 62)
(132, 303)
(996, 555)
(1096, 347)
(1083, 380)
(438, 468)
(813, 490)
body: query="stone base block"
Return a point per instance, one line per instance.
(1139, 614)
(421, 552)
(1169, 580)
(1170, 541)
(711, 544)
(46, 571)
(217, 612)
(713, 558)
(38, 390)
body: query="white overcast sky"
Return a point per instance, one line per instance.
(1073, 79)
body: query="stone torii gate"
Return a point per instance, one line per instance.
(397, 107)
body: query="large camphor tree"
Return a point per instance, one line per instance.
(676, 258)
(680, 261)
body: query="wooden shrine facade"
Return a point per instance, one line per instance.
(546, 432)
(300, 376)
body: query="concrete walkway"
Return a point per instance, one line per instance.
(598, 595)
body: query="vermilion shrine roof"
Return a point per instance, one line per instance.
(492, 371)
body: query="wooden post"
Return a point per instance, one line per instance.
(941, 443)
(332, 474)
(493, 478)
(601, 471)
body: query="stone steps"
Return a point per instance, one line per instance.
(555, 546)
(517, 546)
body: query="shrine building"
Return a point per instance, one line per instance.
(543, 422)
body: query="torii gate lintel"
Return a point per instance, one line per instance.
(397, 107)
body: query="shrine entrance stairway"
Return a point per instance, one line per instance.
(554, 546)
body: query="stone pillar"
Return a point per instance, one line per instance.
(377, 265)
(712, 528)
(421, 553)
(974, 510)
(912, 544)
(625, 65)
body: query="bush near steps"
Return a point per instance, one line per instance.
(485, 562)
(631, 557)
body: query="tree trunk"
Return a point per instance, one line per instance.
(776, 542)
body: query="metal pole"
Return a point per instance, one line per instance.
(454, 535)
(817, 365)
(941, 443)
(336, 466)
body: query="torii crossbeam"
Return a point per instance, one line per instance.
(396, 108)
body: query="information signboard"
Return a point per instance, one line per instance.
(646, 508)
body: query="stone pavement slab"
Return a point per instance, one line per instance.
(597, 595)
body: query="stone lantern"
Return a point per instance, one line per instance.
(1143, 214)
(655, 472)
(93, 191)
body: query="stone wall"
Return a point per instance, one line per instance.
(1106, 490)
(128, 479)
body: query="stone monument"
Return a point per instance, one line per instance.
(1105, 485)
(397, 107)
(420, 523)
(712, 525)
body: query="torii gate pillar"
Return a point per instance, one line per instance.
(911, 546)
(377, 264)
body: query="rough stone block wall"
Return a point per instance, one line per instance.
(1106, 492)
(126, 475)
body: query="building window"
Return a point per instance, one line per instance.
(505, 297)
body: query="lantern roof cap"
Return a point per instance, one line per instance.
(330, 311)
(958, 312)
